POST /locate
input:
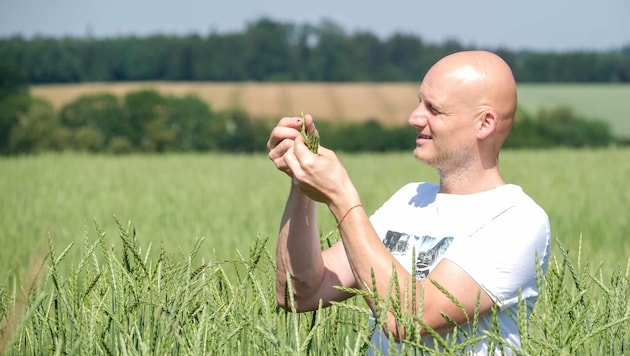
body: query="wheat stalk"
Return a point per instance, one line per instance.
(311, 138)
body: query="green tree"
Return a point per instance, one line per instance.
(96, 60)
(35, 130)
(404, 54)
(101, 112)
(566, 129)
(236, 131)
(220, 58)
(87, 139)
(189, 119)
(558, 127)
(14, 101)
(301, 42)
(366, 52)
(267, 50)
(178, 60)
(144, 107)
(137, 58)
(330, 60)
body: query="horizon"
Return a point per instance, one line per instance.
(558, 26)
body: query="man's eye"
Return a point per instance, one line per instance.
(432, 109)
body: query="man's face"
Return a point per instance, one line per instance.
(444, 122)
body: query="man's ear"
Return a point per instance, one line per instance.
(486, 124)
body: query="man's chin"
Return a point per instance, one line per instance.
(421, 155)
(425, 157)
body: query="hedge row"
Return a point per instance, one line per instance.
(148, 122)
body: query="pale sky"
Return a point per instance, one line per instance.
(547, 25)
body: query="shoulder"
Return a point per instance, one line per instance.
(510, 223)
(526, 206)
(520, 232)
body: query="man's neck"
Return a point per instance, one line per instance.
(470, 182)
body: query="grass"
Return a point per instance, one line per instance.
(174, 254)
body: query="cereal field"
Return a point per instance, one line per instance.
(173, 254)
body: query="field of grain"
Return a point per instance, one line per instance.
(174, 253)
(389, 103)
(342, 101)
(229, 199)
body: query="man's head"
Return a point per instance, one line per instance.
(467, 105)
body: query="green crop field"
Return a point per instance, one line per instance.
(609, 102)
(174, 254)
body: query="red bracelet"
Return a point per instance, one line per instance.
(346, 214)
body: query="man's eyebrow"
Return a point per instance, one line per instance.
(420, 96)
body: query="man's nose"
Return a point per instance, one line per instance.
(418, 117)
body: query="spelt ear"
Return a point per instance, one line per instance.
(303, 128)
(313, 143)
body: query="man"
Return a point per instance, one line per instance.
(474, 235)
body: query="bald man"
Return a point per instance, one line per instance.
(473, 235)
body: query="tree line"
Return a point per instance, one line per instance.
(269, 50)
(146, 121)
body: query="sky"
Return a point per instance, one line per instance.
(545, 25)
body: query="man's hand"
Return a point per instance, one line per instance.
(283, 137)
(320, 176)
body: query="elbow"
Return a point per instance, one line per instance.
(282, 295)
(286, 301)
(295, 303)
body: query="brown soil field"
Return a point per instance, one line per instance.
(389, 103)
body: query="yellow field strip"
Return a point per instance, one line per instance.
(385, 102)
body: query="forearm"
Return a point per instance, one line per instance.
(298, 251)
(364, 249)
(368, 257)
(372, 264)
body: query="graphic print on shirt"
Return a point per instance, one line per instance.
(428, 249)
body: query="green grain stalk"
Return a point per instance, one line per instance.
(311, 137)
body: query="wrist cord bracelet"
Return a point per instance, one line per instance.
(346, 214)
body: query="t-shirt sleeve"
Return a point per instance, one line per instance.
(501, 256)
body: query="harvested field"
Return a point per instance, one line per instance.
(387, 102)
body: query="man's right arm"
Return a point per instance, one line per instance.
(313, 273)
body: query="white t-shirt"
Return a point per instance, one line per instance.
(494, 236)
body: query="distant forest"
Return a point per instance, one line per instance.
(268, 50)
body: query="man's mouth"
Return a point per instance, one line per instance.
(424, 137)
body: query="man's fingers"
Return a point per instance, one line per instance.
(291, 162)
(276, 153)
(300, 148)
(280, 133)
(287, 128)
(285, 141)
